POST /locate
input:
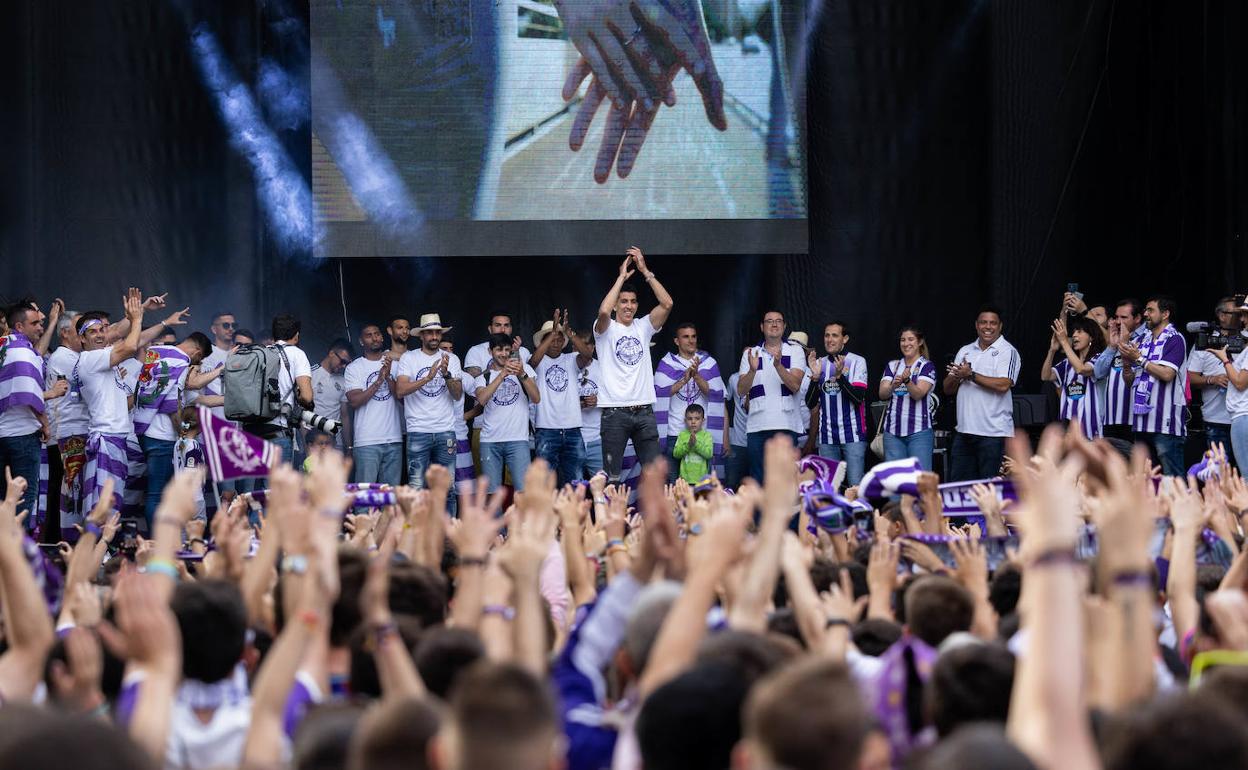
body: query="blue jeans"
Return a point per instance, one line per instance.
(592, 462)
(735, 466)
(514, 454)
(378, 463)
(756, 441)
(853, 454)
(975, 457)
(1239, 442)
(425, 449)
(917, 445)
(1217, 433)
(158, 454)
(1168, 449)
(20, 456)
(563, 449)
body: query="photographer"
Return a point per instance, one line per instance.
(1237, 396)
(294, 383)
(1206, 372)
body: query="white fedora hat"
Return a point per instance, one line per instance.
(547, 328)
(432, 322)
(800, 338)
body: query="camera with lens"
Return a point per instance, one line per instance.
(310, 420)
(1211, 336)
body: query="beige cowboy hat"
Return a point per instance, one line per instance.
(800, 338)
(547, 328)
(431, 322)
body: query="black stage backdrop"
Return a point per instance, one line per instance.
(960, 152)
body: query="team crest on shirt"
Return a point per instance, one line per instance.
(508, 392)
(588, 388)
(831, 386)
(434, 388)
(119, 379)
(690, 392)
(557, 378)
(383, 391)
(629, 350)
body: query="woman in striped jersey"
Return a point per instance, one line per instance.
(1082, 394)
(907, 386)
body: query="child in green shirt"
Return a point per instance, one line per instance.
(694, 447)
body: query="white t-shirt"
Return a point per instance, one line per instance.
(329, 392)
(737, 431)
(461, 424)
(378, 420)
(772, 407)
(68, 414)
(1237, 400)
(299, 367)
(984, 412)
(478, 356)
(591, 418)
(104, 391)
(431, 408)
(1212, 397)
(560, 405)
(214, 361)
(506, 415)
(624, 355)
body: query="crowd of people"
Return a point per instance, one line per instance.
(516, 603)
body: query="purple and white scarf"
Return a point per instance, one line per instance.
(1151, 349)
(896, 477)
(160, 385)
(21, 374)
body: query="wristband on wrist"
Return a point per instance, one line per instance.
(1132, 579)
(838, 622)
(295, 564)
(600, 501)
(614, 549)
(472, 561)
(615, 541)
(162, 567)
(502, 611)
(310, 618)
(1057, 556)
(383, 631)
(194, 540)
(94, 529)
(695, 530)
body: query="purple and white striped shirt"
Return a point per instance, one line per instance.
(905, 415)
(1167, 411)
(841, 421)
(1079, 399)
(1118, 393)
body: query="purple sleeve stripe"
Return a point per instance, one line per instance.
(757, 391)
(712, 373)
(666, 368)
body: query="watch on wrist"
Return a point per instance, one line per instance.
(295, 564)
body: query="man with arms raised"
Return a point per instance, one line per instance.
(558, 420)
(688, 376)
(626, 391)
(427, 379)
(376, 425)
(167, 371)
(109, 416)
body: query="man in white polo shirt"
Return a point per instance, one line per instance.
(558, 419)
(427, 379)
(377, 448)
(772, 375)
(626, 390)
(982, 376)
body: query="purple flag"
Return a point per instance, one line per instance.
(891, 478)
(231, 453)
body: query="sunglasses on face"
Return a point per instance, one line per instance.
(226, 324)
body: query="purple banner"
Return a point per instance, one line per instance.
(231, 453)
(957, 500)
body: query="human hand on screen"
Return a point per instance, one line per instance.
(634, 49)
